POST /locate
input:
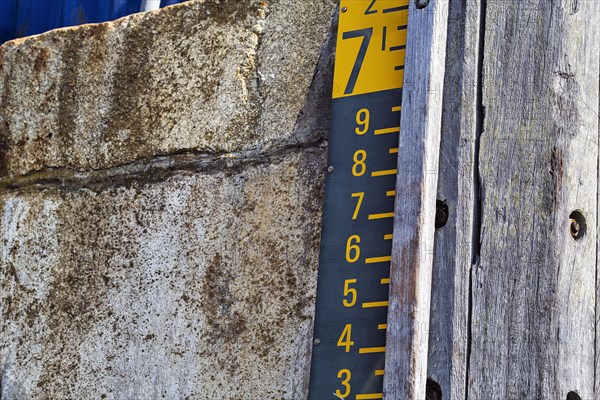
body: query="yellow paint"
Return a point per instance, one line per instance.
(359, 167)
(362, 120)
(375, 260)
(397, 108)
(385, 281)
(394, 150)
(360, 196)
(349, 291)
(352, 246)
(384, 172)
(388, 237)
(381, 327)
(381, 216)
(369, 396)
(345, 339)
(385, 131)
(369, 350)
(375, 304)
(390, 193)
(382, 68)
(345, 375)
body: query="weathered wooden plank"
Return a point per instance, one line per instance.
(533, 309)
(577, 82)
(453, 249)
(416, 186)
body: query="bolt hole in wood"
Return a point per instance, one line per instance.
(420, 4)
(573, 396)
(442, 212)
(577, 226)
(433, 390)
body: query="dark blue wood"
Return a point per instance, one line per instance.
(20, 18)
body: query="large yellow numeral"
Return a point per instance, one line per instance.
(362, 120)
(345, 339)
(360, 196)
(359, 167)
(349, 291)
(352, 247)
(344, 375)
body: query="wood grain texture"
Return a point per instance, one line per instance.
(416, 186)
(448, 328)
(533, 316)
(597, 326)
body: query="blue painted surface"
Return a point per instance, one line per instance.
(20, 18)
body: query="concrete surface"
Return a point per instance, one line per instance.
(161, 190)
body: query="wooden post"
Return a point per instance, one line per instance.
(457, 242)
(534, 288)
(410, 289)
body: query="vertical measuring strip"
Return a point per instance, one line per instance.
(356, 240)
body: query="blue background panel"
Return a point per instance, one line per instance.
(20, 18)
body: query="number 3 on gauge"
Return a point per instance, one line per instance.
(344, 375)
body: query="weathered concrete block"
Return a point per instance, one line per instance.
(200, 286)
(203, 76)
(161, 186)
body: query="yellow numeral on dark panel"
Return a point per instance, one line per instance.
(345, 339)
(352, 249)
(348, 291)
(359, 168)
(344, 375)
(360, 196)
(362, 120)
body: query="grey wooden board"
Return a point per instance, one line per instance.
(533, 315)
(453, 249)
(416, 187)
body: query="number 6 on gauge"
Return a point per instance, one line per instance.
(352, 247)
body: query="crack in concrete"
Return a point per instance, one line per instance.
(156, 169)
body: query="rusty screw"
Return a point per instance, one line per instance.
(577, 225)
(575, 228)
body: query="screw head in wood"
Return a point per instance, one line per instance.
(330, 169)
(577, 225)
(317, 342)
(575, 228)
